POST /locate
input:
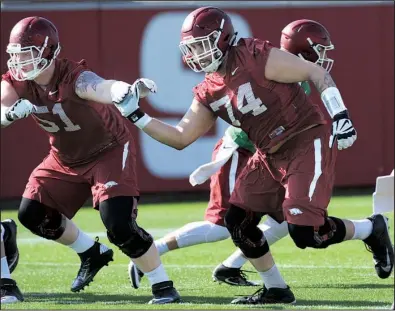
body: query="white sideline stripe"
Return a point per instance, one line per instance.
(64, 264)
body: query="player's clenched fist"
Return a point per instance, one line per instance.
(343, 130)
(21, 109)
(126, 99)
(120, 90)
(139, 89)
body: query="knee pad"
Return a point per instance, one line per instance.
(41, 220)
(243, 228)
(200, 232)
(119, 216)
(138, 243)
(332, 231)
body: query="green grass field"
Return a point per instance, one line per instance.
(340, 277)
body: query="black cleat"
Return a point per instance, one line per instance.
(10, 246)
(164, 292)
(379, 243)
(10, 292)
(232, 276)
(267, 296)
(92, 261)
(135, 275)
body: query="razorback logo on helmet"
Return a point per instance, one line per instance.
(309, 40)
(206, 35)
(33, 45)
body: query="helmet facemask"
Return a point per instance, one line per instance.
(22, 58)
(203, 53)
(321, 50)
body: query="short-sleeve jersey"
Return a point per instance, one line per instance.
(78, 129)
(266, 110)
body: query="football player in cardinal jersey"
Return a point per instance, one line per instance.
(254, 86)
(307, 39)
(92, 153)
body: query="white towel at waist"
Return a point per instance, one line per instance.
(205, 171)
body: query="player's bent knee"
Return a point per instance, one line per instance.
(243, 228)
(122, 229)
(137, 244)
(332, 232)
(303, 236)
(41, 220)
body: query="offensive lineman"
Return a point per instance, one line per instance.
(254, 86)
(92, 152)
(305, 38)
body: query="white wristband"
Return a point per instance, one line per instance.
(333, 101)
(4, 120)
(143, 121)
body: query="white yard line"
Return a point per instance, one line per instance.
(157, 232)
(118, 265)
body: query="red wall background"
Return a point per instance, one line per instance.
(111, 41)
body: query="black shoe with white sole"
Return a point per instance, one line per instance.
(10, 292)
(164, 292)
(135, 275)
(232, 276)
(267, 296)
(379, 243)
(92, 261)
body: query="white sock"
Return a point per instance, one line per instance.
(162, 247)
(363, 228)
(272, 278)
(5, 271)
(200, 232)
(157, 275)
(236, 260)
(82, 243)
(273, 231)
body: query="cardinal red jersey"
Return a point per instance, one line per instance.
(266, 110)
(78, 129)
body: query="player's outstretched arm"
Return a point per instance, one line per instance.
(285, 67)
(90, 86)
(12, 107)
(195, 123)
